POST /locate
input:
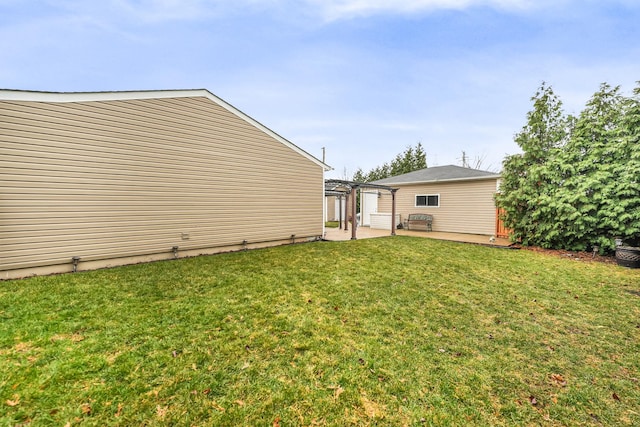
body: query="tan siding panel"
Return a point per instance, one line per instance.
(331, 208)
(465, 206)
(124, 178)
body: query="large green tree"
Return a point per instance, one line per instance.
(528, 184)
(577, 183)
(627, 180)
(411, 159)
(591, 161)
(611, 166)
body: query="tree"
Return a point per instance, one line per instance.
(528, 183)
(592, 160)
(605, 154)
(627, 184)
(411, 159)
(577, 183)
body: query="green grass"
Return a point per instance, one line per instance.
(332, 224)
(390, 331)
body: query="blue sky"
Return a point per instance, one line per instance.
(363, 78)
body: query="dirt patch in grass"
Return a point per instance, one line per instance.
(572, 255)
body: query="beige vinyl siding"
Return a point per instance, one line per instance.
(465, 206)
(331, 208)
(110, 179)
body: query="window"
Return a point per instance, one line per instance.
(428, 200)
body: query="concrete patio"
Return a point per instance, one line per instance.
(336, 234)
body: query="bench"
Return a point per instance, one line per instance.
(419, 222)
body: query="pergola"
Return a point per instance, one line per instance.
(348, 189)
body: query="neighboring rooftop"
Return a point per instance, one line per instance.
(438, 174)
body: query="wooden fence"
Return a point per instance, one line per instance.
(501, 230)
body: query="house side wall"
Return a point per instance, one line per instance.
(109, 180)
(465, 206)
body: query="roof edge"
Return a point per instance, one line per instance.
(433, 181)
(44, 96)
(64, 97)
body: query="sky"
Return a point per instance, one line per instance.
(361, 79)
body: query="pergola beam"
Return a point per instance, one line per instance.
(348, 189)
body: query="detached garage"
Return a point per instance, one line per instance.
(460, 200)
(90, 180)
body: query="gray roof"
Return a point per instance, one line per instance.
(438, 174)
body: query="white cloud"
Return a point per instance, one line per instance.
(343, 9)
(162, 10)
(146, 11)
(158, 11)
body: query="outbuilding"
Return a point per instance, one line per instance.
(90, 180)
(460, 199)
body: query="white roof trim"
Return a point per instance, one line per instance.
(436, 181)
(35, 96)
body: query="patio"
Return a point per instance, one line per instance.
(336, 234)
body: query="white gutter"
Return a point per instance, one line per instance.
(434, 181)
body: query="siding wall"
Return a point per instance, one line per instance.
(109, 179)
(465, 206)
(331, 202)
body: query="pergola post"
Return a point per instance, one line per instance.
(348, 190)
(393, 212)
(346, 212)
(340, 211)
(353, 212)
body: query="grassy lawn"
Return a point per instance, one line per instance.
(389, 331)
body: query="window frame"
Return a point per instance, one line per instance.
(427, 205)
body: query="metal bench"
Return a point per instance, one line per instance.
(421, 222)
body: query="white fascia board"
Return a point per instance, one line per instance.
(437, 181)
(34, 96)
